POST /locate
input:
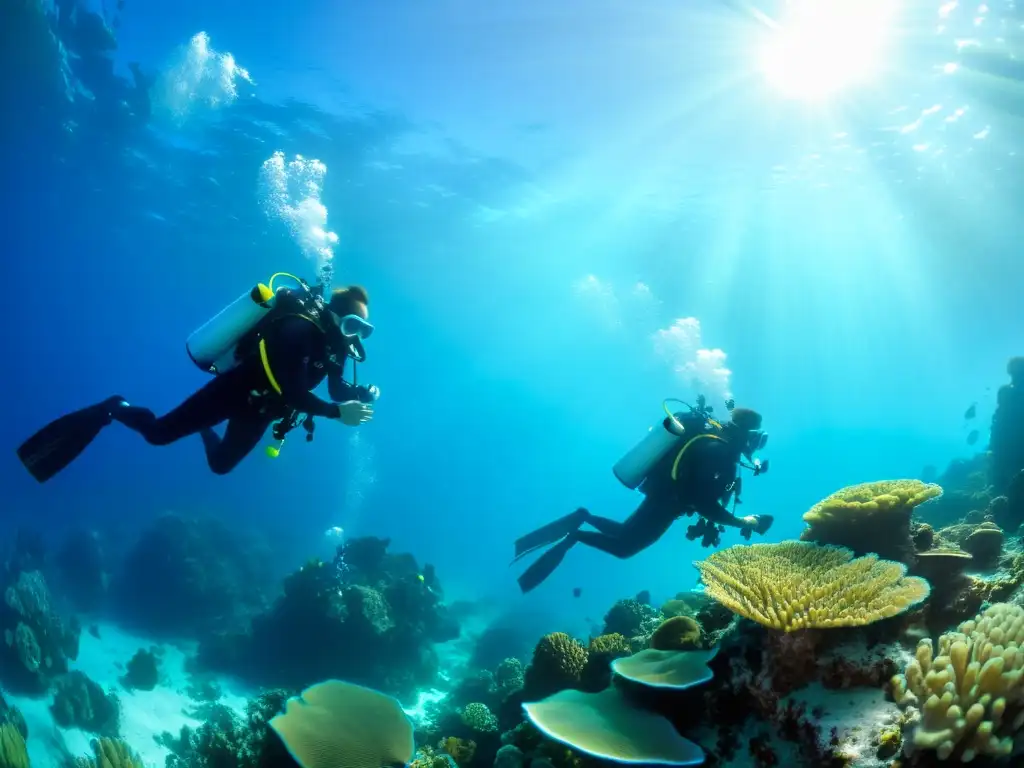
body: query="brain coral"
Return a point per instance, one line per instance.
(680, 633)
(795, 585)
(967, 701)
(870, 517)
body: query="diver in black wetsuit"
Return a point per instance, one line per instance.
(698, 478)
(286, 356)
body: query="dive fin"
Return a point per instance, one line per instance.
(545, 565)
(550, 533)
(764, 522)
(60, 442)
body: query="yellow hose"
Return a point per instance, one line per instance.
(276, 275)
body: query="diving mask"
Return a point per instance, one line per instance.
(757, 439)
(354, 325)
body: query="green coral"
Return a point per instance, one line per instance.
(478, 717)
(558, 663)
(109, 753)
(13, 752)
(680, 633)
(508, 677)
(795, 585)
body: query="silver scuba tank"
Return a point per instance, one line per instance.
(212, 345)
(633, 468)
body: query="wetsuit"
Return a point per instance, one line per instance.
(703, 482)
(704, 478)
(300, 358)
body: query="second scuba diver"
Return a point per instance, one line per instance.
(267, 350)
(690, 463)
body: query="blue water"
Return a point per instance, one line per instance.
(502, 178)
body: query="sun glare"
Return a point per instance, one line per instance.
(823, 46)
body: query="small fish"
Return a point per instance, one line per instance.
(972, 438)
(576, 591)
(971, 412)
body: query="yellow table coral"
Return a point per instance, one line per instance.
(967, 701)
(870, 517)
(796, 585)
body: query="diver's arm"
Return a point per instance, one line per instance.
(340, 390)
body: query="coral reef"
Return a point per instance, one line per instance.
(796, 585)
(985, 544)
(142, 672)
(369, 617)
(80, 702)
(225, 741)
(558, 663)
(37, 642)
(870, 517)
(13, 752)
(109, 753)
(479, 718)
(601, 652)
(968, 700)
(631, 619)
(679, 633)
(191, 576)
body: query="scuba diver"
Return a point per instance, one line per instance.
(267, 351)
(690, 464)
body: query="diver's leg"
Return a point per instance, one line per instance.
(640, 530)
(243, 433)
(550, 533)
(219, 399)
(605, 524)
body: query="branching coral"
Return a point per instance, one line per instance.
(969, 699)
(478, 717)
(793, 585)
(558, 662)
(109, 753)
(870, 517)
(13, 753)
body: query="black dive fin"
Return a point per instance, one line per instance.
(550, 533)
(545, 565)
(60, 442)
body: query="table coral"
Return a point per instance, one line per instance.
(968, 700)
(794, 585)
(870, 517)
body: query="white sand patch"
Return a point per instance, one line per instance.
(144, 714)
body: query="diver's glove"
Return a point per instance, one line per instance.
(367, 394)
(756, 524)
(354, 413)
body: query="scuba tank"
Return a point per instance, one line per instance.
(212, 345)
(633, 468)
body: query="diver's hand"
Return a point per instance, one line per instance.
(354, 413)
(750, 521)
